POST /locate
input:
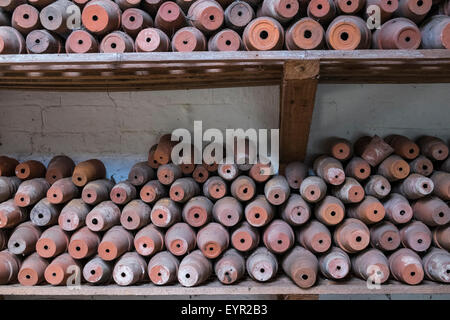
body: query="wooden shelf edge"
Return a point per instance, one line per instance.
(189, 70)
(281, 286)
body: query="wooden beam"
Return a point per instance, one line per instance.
(182, 70)
(118, 59)
(282, 286)
(298, 93)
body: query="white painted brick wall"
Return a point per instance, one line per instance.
(350, 111)
(16, 143)
(120, 127)
(21, 118)
(75, 119)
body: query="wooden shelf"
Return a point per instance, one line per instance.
(281, 286)
(297, 73)
(178, 70)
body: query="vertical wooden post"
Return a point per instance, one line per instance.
(298, 92)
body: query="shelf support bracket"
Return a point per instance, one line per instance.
(297, 97)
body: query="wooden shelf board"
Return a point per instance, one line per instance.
(179, 70)
(281, 286)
